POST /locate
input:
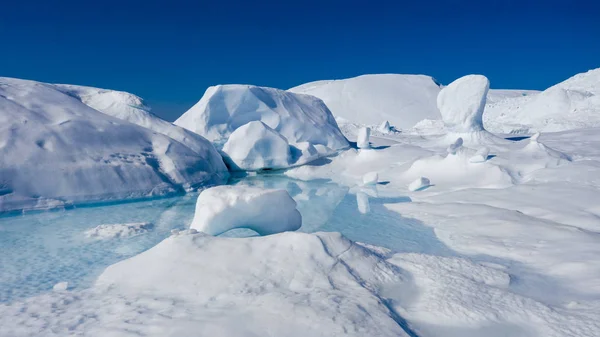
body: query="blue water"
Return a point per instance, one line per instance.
(38, 250)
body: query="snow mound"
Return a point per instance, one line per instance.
(256, 146)
(265, 211)
(419, 184)
(58, 151)
(299, 118)
(131, 108)
(403, 100)
(118, 230)
(572, 104)
(370, 178)
(461, 103)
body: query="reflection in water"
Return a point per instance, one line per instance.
(39, 250)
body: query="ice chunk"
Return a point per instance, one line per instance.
(298, 118)
(419, 184)
(480, 156)
(265, 211)
(362, 201)
(118, 230)
(384, 127)
(363, 136)
(370, 178)
(61, 286)
(454, 147)
(461, 103)
(256, 146)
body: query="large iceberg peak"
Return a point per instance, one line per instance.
(461, 103)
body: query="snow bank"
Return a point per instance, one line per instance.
(571, 104)
(298, 118)
(256, 146)
(118, 230)
(131, 108)
(57, 151)
(403, 100)
(265, 211)
(461, 103)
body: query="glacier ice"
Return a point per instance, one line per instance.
(266, 211)
(255, 146)
(461, 103)
(362, 141)
(298, 118)
(57, 151)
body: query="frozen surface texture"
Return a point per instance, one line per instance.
(571, 104)
(298, 118)
(265, 211)
(256, 146)
(57, 151)
(102, 232)
(402, 100)
(461, 103)
(131, 108)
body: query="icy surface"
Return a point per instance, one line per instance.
(461, 103)
(362, 142)
(256, 146)
(419, 184)
(102, 232)
(90, 156)
(298, 118)
(131, 108)
(403, 100)
(266, 211)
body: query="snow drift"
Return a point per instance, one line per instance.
(265, 211)
(56, 151)
(402, 100)
(571, 104)
(297, 118)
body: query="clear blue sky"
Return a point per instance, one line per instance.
(170, 52)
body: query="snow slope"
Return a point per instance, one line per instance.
(58, 151)
(131, 108)
(403, 100)
(301, 119)
(571, 104)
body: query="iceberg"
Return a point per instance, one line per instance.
(298, 118)
(461, 103)
(57, 151)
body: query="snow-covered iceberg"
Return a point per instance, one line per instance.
(461, 103)
(56, 150)
(297, 118)
(266, 211)
(402, 100)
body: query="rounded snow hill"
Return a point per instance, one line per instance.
(57, 151)
(403, 100)
(301, 119)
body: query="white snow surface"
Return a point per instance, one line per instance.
(256, 146)
(266, 211)
(571, 104)
(131, 108)
(111, 231)
(461, 103)
(403, 100)
(57, 151)
(298, 118)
